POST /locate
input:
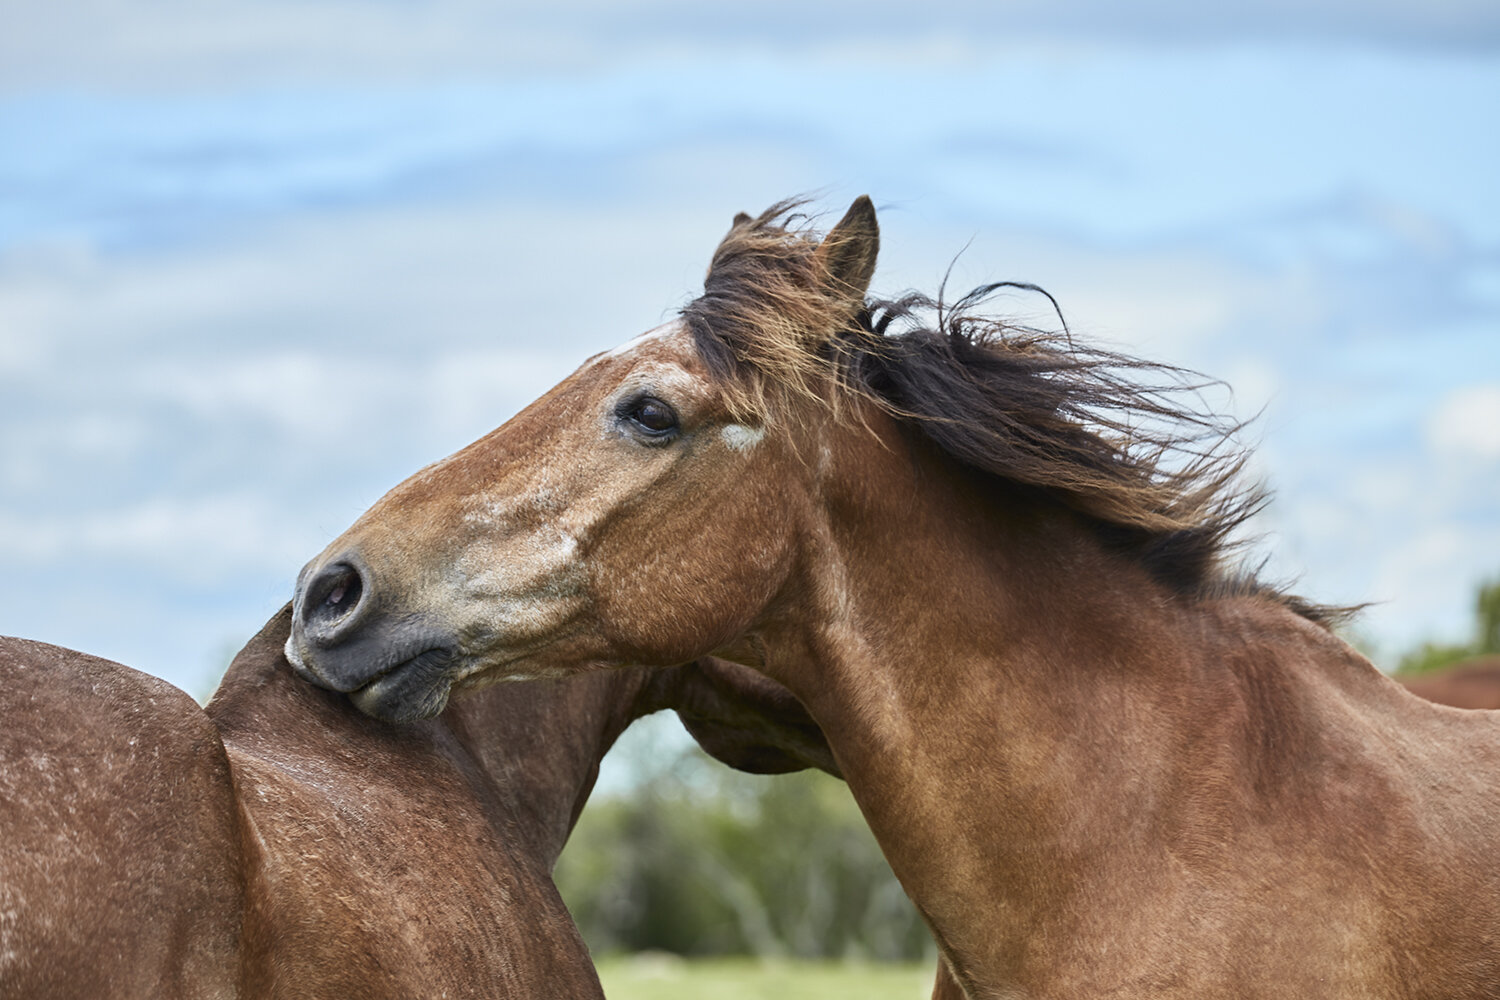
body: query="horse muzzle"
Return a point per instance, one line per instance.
(394, 667)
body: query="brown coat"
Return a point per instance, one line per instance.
(281, 844)
(991, 564)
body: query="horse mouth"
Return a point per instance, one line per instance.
(395, 669)
(410, 689)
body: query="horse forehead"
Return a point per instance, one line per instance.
(667, 333)
(670, 343)
(661, 360)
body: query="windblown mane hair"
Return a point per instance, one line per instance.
(1127, 443)
(764, 311)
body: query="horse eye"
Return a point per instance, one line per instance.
(653, 416)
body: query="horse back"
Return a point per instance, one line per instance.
(1386, 811)
(1438, 812)
(119, 845)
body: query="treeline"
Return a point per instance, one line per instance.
(701, 860)
(1484, 641)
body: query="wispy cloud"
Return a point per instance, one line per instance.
(1467, 423)
(203, 538)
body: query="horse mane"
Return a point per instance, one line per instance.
(1128, 444)
(765, 306)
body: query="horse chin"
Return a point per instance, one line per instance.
(414, 690)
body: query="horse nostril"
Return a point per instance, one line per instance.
(345, 585)
(330, 600)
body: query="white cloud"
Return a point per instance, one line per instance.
(209, 538)
(1427, 578)
(327, 398)
(1466, 423)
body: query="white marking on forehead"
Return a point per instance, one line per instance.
(742, 438)
(663, 332)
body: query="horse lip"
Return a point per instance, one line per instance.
(410, 689)
(384, 645)
(299, 666)
(432, 657)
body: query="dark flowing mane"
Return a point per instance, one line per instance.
(1127, 443)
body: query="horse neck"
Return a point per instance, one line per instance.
(397, 819)
(539, 744)
(528, 754)
(1024, 690)
(988, 593)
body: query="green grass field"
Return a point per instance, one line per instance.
(667, 977)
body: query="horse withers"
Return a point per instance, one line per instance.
(283, 845)
(992, 564)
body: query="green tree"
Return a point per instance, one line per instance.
(700, 860)
(1486, 639)
(1487, 618)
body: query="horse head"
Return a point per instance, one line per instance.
(647, 510)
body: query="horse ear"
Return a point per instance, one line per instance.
(849, 250)
(748, 721)
(740, 218)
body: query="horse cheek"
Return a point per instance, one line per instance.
(667, 594)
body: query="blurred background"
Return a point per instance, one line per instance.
(260, 261)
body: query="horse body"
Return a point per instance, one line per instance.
(1099, 764)
(280, 844)
(1130, 795)
(120, 856)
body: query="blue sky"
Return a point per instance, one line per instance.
(260, 263)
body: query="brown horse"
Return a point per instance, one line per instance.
(121, 866)
(284, 845)
(1471, 684)
(991, 565)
